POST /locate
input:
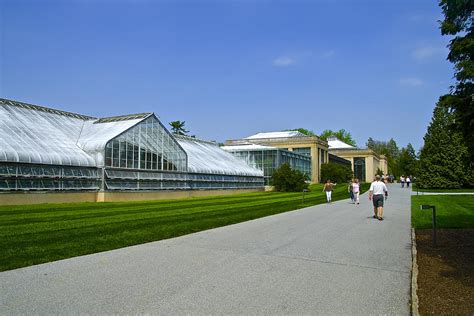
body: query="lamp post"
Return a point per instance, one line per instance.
(428, 207)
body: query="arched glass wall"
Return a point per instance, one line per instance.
(146, 146)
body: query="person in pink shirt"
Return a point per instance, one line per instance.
(356, 190)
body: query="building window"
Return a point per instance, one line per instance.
(322, 154)
(359, 168)
(303, 151)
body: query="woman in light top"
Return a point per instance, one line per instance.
(328, 187)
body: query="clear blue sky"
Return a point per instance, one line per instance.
(233, 68)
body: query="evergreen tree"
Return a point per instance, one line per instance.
(407, 162)
(444, 154)
(177, 127)
(371, 144)
(459, 23)
(392, 149)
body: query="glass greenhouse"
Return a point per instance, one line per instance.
(48, 149)
(267, 158)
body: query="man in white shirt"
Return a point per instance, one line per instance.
(408, 181)
(376, 193)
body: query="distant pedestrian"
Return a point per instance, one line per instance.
(328, 187)
(377, 192)
(402, 181)
(349, 189)
(408, 181)
(356, 190)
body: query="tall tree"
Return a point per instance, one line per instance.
(388, 149)
(459, 22)
(444, 154)
(370, 143)
(177, 127)
(407, 162)
(341, 134)
(392, 148)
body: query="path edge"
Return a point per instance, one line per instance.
(414, 276)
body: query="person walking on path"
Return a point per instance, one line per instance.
(349, 189)
(356, 190)
(402, 181)
(328, 187)
(376, 193)
(408, 181)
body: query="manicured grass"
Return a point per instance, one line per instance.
(470, 190)
(33, 234)
(452, 211)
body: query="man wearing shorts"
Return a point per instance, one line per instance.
(377, 192)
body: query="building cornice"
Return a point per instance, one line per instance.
(356, 151)
(280, 140)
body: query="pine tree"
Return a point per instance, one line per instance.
(407, 163)
(177, 127)
(444, 157)
(459, 24)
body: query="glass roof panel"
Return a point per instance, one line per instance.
(207, 157)
(34, 136)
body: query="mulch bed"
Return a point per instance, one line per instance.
(446, 273)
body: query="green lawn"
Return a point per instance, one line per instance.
(33, 234)
(470, 190)
(452, 211)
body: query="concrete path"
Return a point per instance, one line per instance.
(326, 259)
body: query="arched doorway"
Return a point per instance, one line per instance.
(359, 168)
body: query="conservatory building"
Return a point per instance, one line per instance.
(363, 161)
(311, 146)
(268, 158)
(48, 150)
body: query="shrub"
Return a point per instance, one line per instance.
(285, 179)
(337, 173)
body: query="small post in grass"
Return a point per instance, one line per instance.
(428, 207)
(304, 191)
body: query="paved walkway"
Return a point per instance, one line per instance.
(325, 259)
